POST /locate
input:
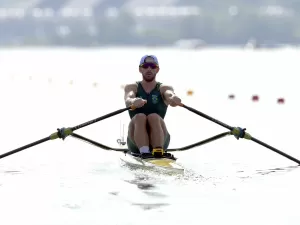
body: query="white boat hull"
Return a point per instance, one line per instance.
(166, 164)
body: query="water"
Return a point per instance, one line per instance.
(71, 182)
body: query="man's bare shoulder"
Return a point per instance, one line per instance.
(130, 87)
(165, 87)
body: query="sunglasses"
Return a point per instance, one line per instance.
(147, 65)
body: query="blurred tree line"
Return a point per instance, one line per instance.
(224, 24)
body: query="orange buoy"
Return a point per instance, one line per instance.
(190, 92)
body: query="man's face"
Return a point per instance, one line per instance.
(149, 69)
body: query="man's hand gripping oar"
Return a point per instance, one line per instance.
(239, 132)
(64, 132)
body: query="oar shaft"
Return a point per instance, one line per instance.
(100, 118)
(240, 133)
(207, 117)
(24, 147)
(275, 150)
(64, 132)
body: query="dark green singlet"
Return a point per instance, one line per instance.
(155, 104)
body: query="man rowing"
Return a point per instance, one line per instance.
(147, 131)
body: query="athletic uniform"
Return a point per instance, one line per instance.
(155, 104)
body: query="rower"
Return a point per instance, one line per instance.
(147, 131)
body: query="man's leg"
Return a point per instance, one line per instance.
(138, 133)
(158, 130)
(167, 141)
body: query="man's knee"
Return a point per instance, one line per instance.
(140, 118)
(153, 118)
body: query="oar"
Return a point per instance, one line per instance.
(240, 133)
(64, 132)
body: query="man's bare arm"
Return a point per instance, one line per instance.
(167, 92)
(130, 94)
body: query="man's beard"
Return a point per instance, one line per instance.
(149, 79)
